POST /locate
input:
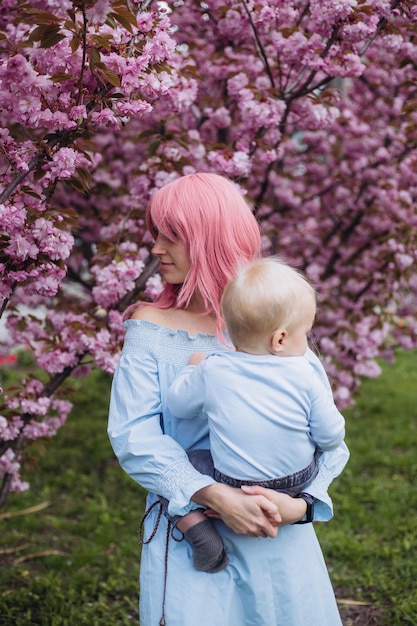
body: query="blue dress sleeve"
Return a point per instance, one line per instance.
(151, 458)
(331, 462)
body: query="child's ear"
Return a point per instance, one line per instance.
(278, 340)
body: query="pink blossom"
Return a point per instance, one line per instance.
(231, 25)
(57, 244)
(220, 117)
(21, 249)
(160, 47)
(47, 284)
(12, 218)
(152, 85)
(36, 430)
(153, 286)
(113, 281)
(10, 464)
(55, 361)
(145, 21)
(78, 112)
(370, 369)
(98, 13)
(134, 108)
(342, 397)
(184, 94)
(10, 429)
(64, 162)
(331, 11)
(237, 165)
(30, 104)
(237, 83)
(58, 7)
(105, 119)
(404, 260)
(35, 407)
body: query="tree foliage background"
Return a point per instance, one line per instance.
(309, 106)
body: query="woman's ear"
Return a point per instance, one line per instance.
(278, 340)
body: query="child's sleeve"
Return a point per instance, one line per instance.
(331, 462)
(327, 424)
(186, 394)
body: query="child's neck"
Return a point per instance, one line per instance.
(259, 349)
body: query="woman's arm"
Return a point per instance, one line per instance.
(255, 515)
(150, 457)
(247, 515)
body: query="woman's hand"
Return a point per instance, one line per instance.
(291, 509)
(256, 515)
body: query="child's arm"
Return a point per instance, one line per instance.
(327, 424)
(331, 462)
(186, 394)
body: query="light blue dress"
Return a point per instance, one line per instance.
(268, 582)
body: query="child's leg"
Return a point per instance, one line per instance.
(208, 550)
(191, 519)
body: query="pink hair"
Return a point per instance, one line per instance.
(211, 218)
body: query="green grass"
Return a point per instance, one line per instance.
(76, 561)
(90, 521)
(370, 545)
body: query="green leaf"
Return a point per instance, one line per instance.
(84, 175)
(51, 40)
(27, 190)
(125, 18)
(38, 174)
(34, 16)
(102, 41)
(77, 184)
(111, 76)
(95, 58)
(153, 147)
(75, 43)
(60, 77)
(47, 35)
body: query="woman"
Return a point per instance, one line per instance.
(203, 231)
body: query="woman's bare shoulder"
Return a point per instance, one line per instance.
(149, 314)
(176, 319)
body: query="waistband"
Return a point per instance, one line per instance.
(291, 484)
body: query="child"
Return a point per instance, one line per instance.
(268, 411)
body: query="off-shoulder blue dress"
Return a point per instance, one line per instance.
(268, 582)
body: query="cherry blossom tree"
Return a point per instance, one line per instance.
(309, 106)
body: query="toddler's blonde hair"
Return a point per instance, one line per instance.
(265, 295)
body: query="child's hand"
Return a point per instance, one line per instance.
(196, 358)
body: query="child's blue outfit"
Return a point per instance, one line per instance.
(267, 414)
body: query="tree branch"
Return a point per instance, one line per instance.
(259, 45)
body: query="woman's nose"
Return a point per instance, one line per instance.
(157, 247)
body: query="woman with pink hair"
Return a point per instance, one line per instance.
(204, 230)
